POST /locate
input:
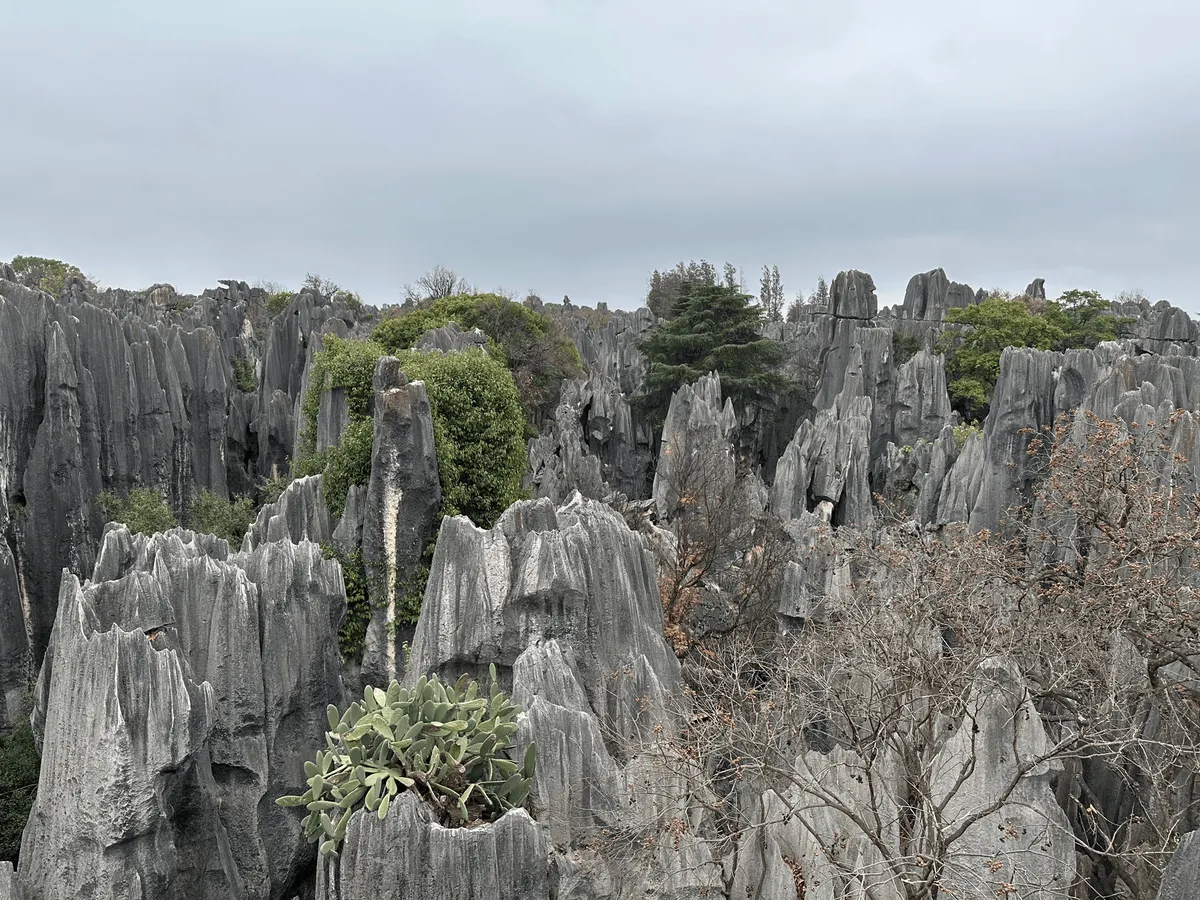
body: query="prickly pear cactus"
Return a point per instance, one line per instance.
(446, 743)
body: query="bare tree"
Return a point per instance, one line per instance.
(435, 284)
(326, 287)
(963, 714)
(723, 570)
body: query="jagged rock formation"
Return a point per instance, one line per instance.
(930, 296)
(120, 390)
(182, 690)
(505, 860)
(596, 443)
(697, 419)
(401, 505)
(300, 514)
(564, 602)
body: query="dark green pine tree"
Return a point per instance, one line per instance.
(715, 327)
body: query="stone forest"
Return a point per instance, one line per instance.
(483, 597)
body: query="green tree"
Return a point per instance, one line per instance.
(528, 342)
(19, 768)
(667, 287)
(227, 519)
(973, 366)
(479, 426)
(770, 294)
(48, 275)
(479, 431)
(1086, 319)
(820, 297)
(714, 328)
(143, 510)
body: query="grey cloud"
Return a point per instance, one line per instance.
(573, 147)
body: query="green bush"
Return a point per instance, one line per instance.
(529, 343)
(347, 464)
(243, 375)
(45, 274)
(144, 511)
(446, 743)
(19, 767)
(278, 302)
(904, 347)
(1080, 319)
(353, 630)
(228, 519)
(478, 429)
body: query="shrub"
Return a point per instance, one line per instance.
(345, 364)
(19, 768)
(447, 744)
(143, 511)
(529, 343)
(904, 347)
(278, 302)
(348, 464)
(353, 631)
(49, 275)
(227, 519)
(479, 431)
(244, 376)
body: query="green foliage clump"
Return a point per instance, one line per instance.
(478, 431)
(714, 328)
(1079, 320)
(478, 423)
(278, 302)
(1085, 319)
(353, 630)
(244, 376)
(347, 464)
(904, 347)
(227, 519)
(144, 511)
(446, 743)
(19, 768)
(49, 275)
(345, 364)
(963, 432)
(529, 343)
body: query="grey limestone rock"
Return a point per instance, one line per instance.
(408, 856)
(1181, 880)
(451, 339)
(931, 295)
(696, 433)
(185, 687)
(402, 502)
(300, 514)
(852, 296)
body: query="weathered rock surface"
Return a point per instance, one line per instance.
(182, 690)
(1181, 880)
(119, 390)
(300, 514)
(408, 856)
(402, 503)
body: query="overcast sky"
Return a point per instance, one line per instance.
(572, 146)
